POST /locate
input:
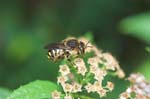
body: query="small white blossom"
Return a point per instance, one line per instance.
(97, 85)
(81, 70)
(62, 79)
(80, 65)
(124, 95)
(64, 69)
(89, 88)
(102, 92)
(110, 62)
(93, 69)
(110, 85)
(68, 97)
(94, 61)
(79, 62)
(56, 94)
(77, 87)
(67, 88)
(129, 90)
(136, 78)
(99, 75)
(120, 73)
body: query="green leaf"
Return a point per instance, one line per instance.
(148, 49)
(4, 93)
(137, 26)
(144, 68)
(34, 90)
(89, 35)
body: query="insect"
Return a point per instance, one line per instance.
(65, 49)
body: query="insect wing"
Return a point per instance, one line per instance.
(55, 46)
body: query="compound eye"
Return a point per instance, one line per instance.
(72, 43)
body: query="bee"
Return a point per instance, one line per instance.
(65, 49)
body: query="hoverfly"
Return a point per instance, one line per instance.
(65, 49)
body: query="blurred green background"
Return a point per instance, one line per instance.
(121, 27)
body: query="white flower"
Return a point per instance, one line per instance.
(79, 62)
(67, 87)
(124, 95)
(140, 87)
(62, 79)
(110, 85)
(89, 87)
(101, 92)
(81, 70)
(129, 90)
(55, 94)
(93, 68)
(80, 65)
(94, 61)
(110, 62)
(136, 78)
(97, 85)
(68, 97)
(77, 87)
(99, 74)
(120, 73)
(64, 69)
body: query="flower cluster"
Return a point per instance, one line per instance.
(87, 75)
(109, 62)
(140, 88)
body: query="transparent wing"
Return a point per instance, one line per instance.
(55, 46)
